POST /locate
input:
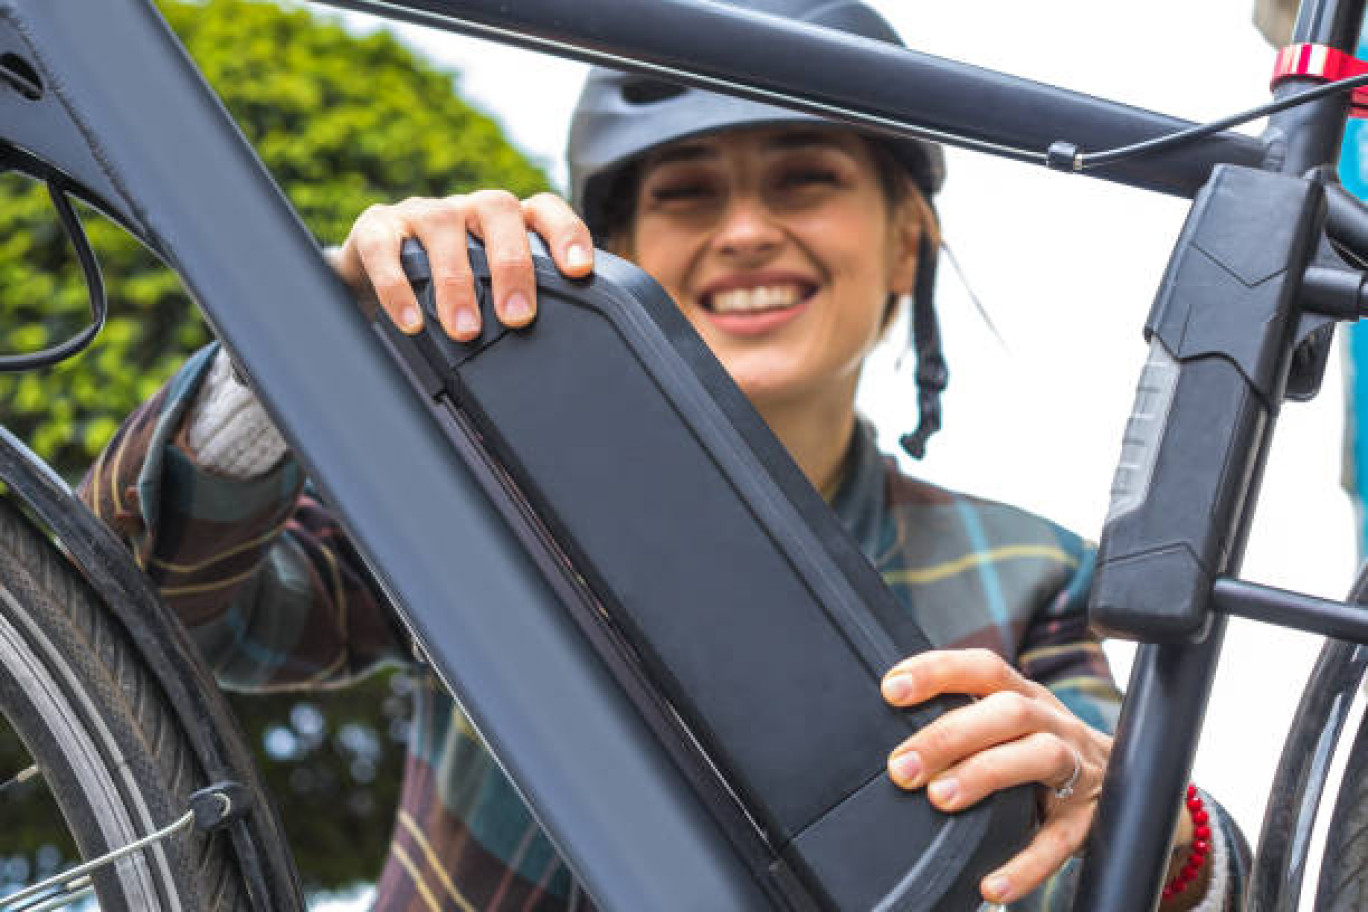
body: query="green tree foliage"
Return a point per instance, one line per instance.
(342, 121)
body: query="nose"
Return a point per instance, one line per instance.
(748, 229)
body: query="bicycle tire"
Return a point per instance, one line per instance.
(90, 712)
(1343, 882)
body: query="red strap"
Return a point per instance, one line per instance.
(1327, 64)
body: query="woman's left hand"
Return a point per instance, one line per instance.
(1018, 732)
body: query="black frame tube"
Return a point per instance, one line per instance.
(1127, 850)
(1346, 222)
(558, 722)
(849, 79)
(1329, 618)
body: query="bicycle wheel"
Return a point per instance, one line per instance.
(90, 715)
(1343, 883)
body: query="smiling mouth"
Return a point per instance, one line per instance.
(760, 299)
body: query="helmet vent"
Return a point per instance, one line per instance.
(650, 91)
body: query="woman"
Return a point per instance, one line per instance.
(788, 244)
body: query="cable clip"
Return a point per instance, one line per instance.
(1323, 63)
(219, 805)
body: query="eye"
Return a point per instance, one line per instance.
(808, 177)
(683, 190)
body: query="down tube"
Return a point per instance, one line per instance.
(605, 788)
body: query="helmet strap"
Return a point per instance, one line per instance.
(932, 374)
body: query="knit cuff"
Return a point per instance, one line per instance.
(228, 431)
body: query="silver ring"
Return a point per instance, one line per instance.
(1065, 791)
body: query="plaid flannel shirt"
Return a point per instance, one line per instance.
(275, 595)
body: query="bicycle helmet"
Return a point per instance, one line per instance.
(621, 116)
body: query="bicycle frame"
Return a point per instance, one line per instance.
(173, 170)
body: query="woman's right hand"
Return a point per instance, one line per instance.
(369, 261)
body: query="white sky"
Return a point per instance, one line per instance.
(1066, 267)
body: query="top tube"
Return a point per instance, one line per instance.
(849, 79)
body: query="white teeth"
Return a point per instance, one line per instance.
(750, 300)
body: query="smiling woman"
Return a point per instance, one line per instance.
(789, 245)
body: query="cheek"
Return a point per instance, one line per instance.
(860, 284)
(668, 271)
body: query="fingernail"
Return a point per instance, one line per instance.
(997, 887)
(411, 320)
(943, 791)
(516, 308)
(907, 767)
(466, 322)
(576, 257)
(897, 688)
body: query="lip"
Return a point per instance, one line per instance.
(755, 324)
(763, 322)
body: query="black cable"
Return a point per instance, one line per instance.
(99, 306)
(1088, 161)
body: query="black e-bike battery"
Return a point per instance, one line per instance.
(713, 580)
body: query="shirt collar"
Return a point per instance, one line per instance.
(861, 495)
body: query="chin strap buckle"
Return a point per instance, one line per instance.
(1326, 64)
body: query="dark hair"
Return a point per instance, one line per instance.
(893, 174)
(619, 205)
(893, 178)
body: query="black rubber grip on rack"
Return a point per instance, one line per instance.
(1221, 333)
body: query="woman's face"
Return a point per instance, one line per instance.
(781, 247)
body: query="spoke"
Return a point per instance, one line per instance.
(18, 778)
(8, 903)
(75, 891)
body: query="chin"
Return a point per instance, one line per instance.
(768, 391)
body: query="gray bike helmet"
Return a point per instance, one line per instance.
(621, 116)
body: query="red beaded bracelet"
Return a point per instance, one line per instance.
(1200, 849)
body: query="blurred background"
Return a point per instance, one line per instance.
(347, 111)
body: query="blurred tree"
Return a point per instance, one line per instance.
(333, 761)
(342, 121)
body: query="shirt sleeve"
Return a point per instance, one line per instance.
(257, 568)
(1061, 651)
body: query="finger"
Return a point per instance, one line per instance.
(565, 234)
(441, 226)
(377, 236)
(963, 734)
(1059, 839)
(977, 672)
(1037, 758)
(497, 217)
(346, 262)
